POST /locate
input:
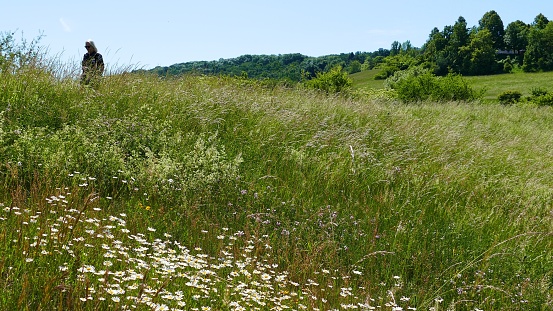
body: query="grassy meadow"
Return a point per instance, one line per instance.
(365, 79)
(492, 85)
(217, 193)
(518, 81)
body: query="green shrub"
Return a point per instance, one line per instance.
(507, 67)
(540, 97)
(419, 84)
(509, 97)
(543, 100)
(386, 72)
(538, 91)
(393, 64)
(333, 81)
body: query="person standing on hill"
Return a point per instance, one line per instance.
(93, 63)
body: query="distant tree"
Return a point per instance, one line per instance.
(482, 53)
(447, 32)
(406, 46)
(382, 52)
(361, 56)
(516, 36)
(372, 62)
(433, 52)
(292, 58)
(540, 21)
(354, 66)
(492, 22)
(311, 67)
(395, 49)
(457, 58)
(460, 33)
(539, 52)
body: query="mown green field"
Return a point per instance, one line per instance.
(493, 84)
(365, 79)
(215, 193)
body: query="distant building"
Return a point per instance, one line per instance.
(510, 52)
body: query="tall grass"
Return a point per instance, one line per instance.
(210, 192)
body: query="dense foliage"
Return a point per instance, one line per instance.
(487, 48)
(293, 67)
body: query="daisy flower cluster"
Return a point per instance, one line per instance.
(100, 263)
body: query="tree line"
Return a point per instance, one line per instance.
(294, 67)
(487, 48)
(490, 47)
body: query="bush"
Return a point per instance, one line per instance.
(418, 84)
(544, 100)
(393, 64)
(386, 72)
(538, 91)
(509, 97)
(507, 67)
(541, 97)
(333, 81)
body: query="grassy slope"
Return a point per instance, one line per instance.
(520, 81)
(365, 79)
(493, 84)
(454, 199)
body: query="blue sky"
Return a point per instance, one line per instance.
(145, 34)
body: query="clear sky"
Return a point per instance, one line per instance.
(145, 34)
